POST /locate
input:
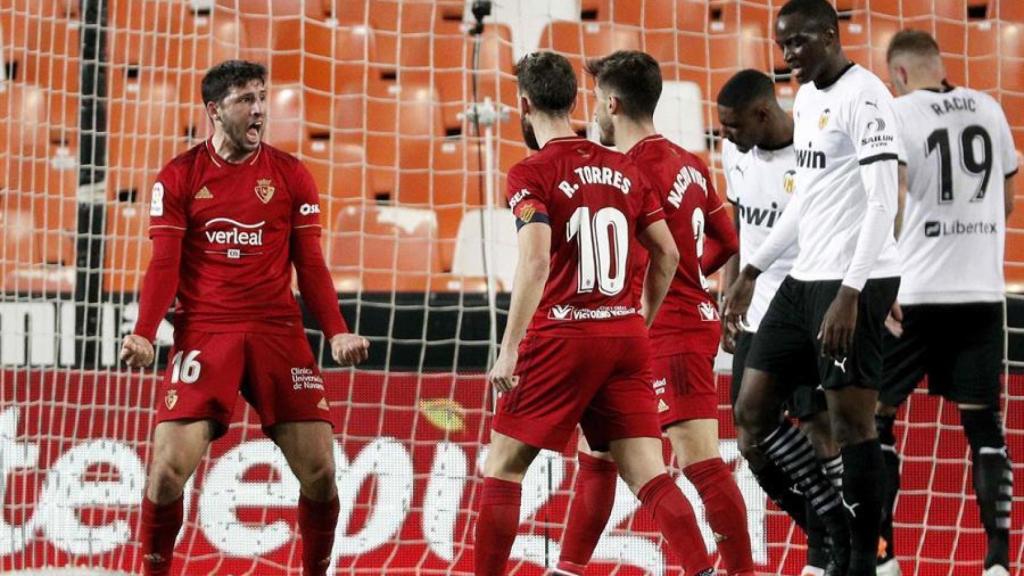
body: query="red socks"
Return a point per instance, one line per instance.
(160, 525)
(496, 526)
(588, 514)
(725, 511)
(317, 522)
(674, 517)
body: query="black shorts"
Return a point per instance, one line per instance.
(958, 346)
(807, 398)
(789, 332)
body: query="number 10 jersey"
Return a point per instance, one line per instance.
(596, 202)
(959, 150)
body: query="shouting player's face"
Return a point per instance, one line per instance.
(242, 115)
(604, 118)
(805, 45)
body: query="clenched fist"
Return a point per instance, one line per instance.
(136, 351)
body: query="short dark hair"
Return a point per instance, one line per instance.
(744, 88)
(916, 42)
(821, 11)
(549, 81)
(634, 76)
(220, 79)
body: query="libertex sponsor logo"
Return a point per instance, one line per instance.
(934, 229)
(569, 312)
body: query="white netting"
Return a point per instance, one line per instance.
(376, 97)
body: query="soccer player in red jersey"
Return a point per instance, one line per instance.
(229, 219)
(685, 332)
(575, 349)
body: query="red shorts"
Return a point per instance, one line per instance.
(600, 383)
(685, 387)
(276, 374)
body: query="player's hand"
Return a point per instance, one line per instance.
(837, 327)
(502, 375)
(136, 351)
(737, 303)
(349, 349)
(894, 321)
(729, 337)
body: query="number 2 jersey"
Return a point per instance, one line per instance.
(959, 150)
(688, 320)
(596, 202)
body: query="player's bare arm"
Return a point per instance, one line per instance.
(661, 247)
(531, 274)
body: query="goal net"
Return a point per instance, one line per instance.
(408, 122)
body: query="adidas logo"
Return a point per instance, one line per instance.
(323, 405)
(203, 194)
(662, 406)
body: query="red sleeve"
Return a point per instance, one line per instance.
(526, 196)
(167, 210)
(159, 285)
(315, 283)
(722, 241)
(305, 202)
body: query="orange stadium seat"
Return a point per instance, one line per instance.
(328, 61)
(127, 249)
(34, 119)
(383, 248)
(145, 115)
(398, 118)
(581, 41)
(17, 254)
(1012, 10)
(865, 39)
(339, 170)
(286, 128)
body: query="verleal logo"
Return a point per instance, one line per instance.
(560, 312)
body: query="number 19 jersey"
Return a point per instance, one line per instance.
(959, 149)
(595, 201)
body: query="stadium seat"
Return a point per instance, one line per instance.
(527, 20)
(17, 253)
(339, 170)
(679, 115)
(128, 248)
(398, 118)
(383, 248)
(581, 41)
(477, 225)
(145, 115)
(286, 128)
(328, 61)
(34, 119)
(865, 39)
(1012, 10)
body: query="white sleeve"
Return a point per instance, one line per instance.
(873, 128)
(784, 234)
(1006, 145)
(728, 161)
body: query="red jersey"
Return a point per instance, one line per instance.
(596, 202)
(688, 319)
(237, 222)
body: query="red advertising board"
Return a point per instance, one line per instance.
(74, 447)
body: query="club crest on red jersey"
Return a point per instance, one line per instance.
(264, 190)
(171, 399)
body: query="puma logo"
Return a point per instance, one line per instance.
(841, 365)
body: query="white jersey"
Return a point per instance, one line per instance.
(959, 150)
(844, 133)
(759, 183)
